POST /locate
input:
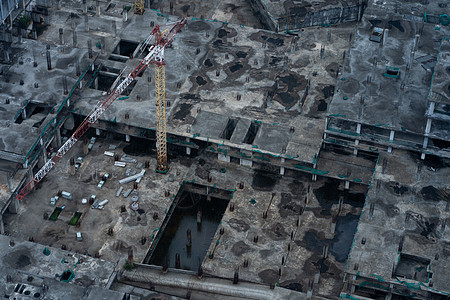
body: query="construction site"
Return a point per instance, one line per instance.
(236, 149)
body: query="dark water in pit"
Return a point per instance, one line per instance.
(173, 240)
(345, 231)
(341, 243)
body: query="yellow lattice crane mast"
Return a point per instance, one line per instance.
(160, 93)
(139, 7)
(162, 39)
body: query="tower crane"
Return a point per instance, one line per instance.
(155, 56)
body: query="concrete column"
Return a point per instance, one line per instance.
(44, 151)
(358, 128)
(84, 6)
(347, 184)
(74, 39)
(224, 158)
(114, 28)
(425, 145)
(97, 5)
(61, 36)
(9, 181)
(282, 168)
(2, 225)
(57, 139)
(391, 139)
(188, 150)
(85, 146)
(428, 126)
(314, 177)
(125, 16)
(245, 162)
(127, 138)
(96, 83)
(355, 151)
(14, 206)
(25, 164)
(86, 23)
(431, 108)
(97, 131)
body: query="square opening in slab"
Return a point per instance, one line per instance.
(38, 111)
(251, 133)
(413, 267)
(106, 80)
(192, 204)
(125, 48)
(229, 129)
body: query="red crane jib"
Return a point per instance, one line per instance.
(160, 43)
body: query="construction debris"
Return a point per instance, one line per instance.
(132, 178)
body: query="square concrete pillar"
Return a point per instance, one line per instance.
(245, 162)
(224, 158)
(2, 225)
(14, 206)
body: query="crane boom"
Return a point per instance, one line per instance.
(154, 51)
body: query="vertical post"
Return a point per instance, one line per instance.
(97, 5)
(65, 85)
(2, 225)
(85, 146)
(77, 67)
(114, 28)
(89, 42)
(86, 23)
(188, 150)
(391, 139)
(61, 36)
(125, 15)
(72, 166)
(84, 7)
(57, 138)
(74, 39)
(49, 59)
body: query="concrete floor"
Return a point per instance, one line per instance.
(298, 257)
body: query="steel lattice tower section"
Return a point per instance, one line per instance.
(160, 93)
(161, 134)
(139, 7)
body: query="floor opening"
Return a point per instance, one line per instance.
(229, 129)
(190, 202)
(251, 133)
(125, 48)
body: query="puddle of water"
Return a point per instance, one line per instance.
(173, 240)
(340, 244)
(263, 182)
(345, 231)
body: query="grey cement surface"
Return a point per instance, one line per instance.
(128, 227)
(19, 138)
(28, 258)
(403, 201)
(230, 11)
(202, 91)
(293, 15)
(399, 103)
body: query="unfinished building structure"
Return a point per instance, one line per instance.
(289, 150)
